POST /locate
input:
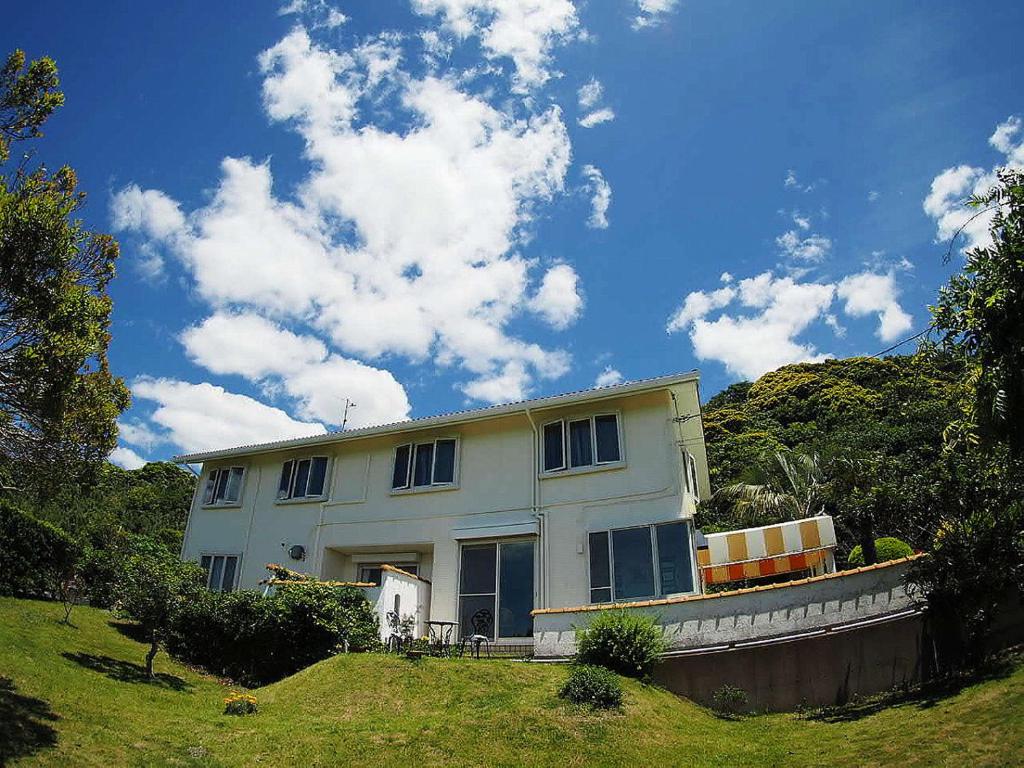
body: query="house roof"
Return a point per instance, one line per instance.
(447, 419)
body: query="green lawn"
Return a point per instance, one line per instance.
(77, 696)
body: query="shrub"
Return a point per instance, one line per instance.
(888, 548)
(256, 640)
(34, 555)
(592, 686)
(729, 701)
(623, 641)
(240, 704)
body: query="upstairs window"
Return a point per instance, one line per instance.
(424, 465)
(586, 442)
(223, 486)
(303, 478)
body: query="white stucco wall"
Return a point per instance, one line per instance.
(495, 486)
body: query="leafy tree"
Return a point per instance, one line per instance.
(58, 399)
(153, 588)
(783, 485)
(980, 314)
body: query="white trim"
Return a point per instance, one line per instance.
(410, 474)
(207, 476)
(324, 494)
(530, 528)
(595, 465)
(447, 420)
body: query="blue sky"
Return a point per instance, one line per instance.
(426, 205)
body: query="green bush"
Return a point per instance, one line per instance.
(256, 640)
(888, 548)
(34, 554)
(592, 686)
(729, 701)
(623, 641)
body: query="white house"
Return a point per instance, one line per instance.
(571, 500)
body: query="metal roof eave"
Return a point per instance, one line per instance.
(458, 417)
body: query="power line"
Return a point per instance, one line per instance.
(901, 343)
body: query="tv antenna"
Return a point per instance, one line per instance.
(344, 419)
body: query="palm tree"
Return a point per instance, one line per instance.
(784, 485)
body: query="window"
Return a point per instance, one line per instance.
(496, 589)
(371, 572)
(223, 486)
(586, 442)
(423, 465)
(645, 561)
(302, 478)
(220, 571)
(691, 471)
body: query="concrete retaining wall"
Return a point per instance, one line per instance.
(713, 621)
(813, 671)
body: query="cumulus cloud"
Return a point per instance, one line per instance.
(600, 192)
(870, 293)
(772, 313)
(139, 434)
(808, 250)
(650, 13)
(126, 458)
(945, 200)
(792, 182)
(155, 215)
(608, 377)
(201, 417)
(598, 116)
(558, 300)
(399, 241)
(590, 93)
(299, 365)
(524, 31)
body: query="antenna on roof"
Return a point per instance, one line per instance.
(344, 420)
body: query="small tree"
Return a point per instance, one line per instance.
(153, 587)
(783, 485)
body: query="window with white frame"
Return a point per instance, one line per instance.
(582, 442)
(640, 562)
(224, 486)
(221, 571)
(302, 478)
(425, 465)
(690, 475)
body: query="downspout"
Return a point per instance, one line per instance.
(536, 513)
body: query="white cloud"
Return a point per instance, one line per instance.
(870, 293)
(152, 213)
(524, 31)
(317, 12)
(252, 346)
(792, 182)
(600, 197)
(751, 344)
(949, 190)
(801, 221)
(598, 116)
(200, 417)
(139, 434)
(650, 13)
(872, 195)
(126, 458)
(399, 241)
(608, 377)
(558, 300)
(590, 93)
(808, 250)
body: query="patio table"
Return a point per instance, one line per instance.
(441, 635)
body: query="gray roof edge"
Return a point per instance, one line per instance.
(457, 417)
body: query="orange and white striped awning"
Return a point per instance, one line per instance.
(754, 553)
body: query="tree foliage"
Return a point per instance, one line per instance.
(58, 400)
(875, 428)
(980, 315)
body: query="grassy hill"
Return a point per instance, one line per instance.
(77, 696)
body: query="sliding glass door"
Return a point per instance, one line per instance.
(496, 589)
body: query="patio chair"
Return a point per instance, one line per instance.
(481, 621)
(394, 641)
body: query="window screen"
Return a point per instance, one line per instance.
(600, 569)
(554, 449)
(400, 476)
(581, 452)
(444, 461)
(606, 429)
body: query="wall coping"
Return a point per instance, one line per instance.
(400, 572)
(730, 593)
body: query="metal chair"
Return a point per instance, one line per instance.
(481, 621)
(394, 642)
